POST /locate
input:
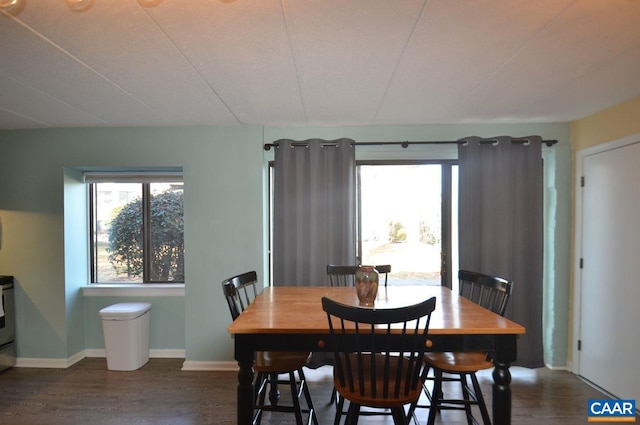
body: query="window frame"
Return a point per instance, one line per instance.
(145, 179)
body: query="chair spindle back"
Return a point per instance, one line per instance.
(240, 291)
(384, 269)
(383, 362)
(342, 275)
(487, 291)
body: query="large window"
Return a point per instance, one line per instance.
(136, 228)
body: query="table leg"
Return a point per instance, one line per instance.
(501, 394)
(245, 392)
(506, 352)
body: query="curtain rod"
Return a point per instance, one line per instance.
(405, 144)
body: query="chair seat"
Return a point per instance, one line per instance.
(459, 362)
(367, 399)
(280, 361)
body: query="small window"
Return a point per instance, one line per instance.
(136, 228)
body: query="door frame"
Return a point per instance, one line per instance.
(577, 257)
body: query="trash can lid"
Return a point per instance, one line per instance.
(124, 311)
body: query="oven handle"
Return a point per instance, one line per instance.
(3, 322)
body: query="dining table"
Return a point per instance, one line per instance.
(291, 318)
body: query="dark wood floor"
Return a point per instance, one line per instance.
(160, 393)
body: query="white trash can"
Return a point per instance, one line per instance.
(126, 335)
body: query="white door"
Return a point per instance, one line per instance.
(610, 276)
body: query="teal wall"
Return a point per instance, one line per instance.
(44, 230)
(75, 214)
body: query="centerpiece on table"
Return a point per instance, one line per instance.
(367, 285)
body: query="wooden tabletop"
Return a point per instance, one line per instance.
(291, 310)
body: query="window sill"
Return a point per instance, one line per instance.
(134, 290)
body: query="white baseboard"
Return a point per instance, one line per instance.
(167, 353)
(212, 366)
(153, 353)
(95, 352)
(92, 352)
(557, 367)
(50, 363)
(570, 368)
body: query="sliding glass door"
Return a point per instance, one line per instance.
(407, 219)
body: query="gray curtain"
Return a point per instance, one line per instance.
(314, 209)
(500, 225)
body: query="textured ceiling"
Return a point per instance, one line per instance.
(315, 62)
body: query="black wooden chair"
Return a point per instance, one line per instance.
(239, 292)
(492, 293)
(373, 368)
(338, 276)
(342, 275)
(384, 269)
(345, 275)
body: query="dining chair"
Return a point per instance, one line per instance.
(384, 269)
(342, 275)
(338, 276)
(345, 275)
(487, 291)
(239, 292)
(379, 355)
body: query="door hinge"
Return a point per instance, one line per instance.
(579, 345)
(582, 181)
(582, 263)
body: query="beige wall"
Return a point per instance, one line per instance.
(610, 124)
